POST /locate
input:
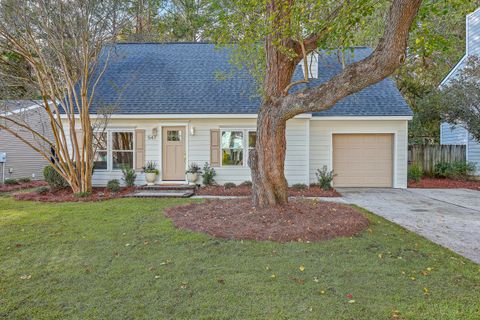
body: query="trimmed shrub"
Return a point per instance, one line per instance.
(208, 174)
(325, 178)
(415, 173)
(129, 177)
(25, 180)
(299, 186)
(454, 170)
(113, 185)
(54, 179)
(82, 194)
(42, 190)
(10, 182)
(442, 170)
(246, 184)
(229, 185)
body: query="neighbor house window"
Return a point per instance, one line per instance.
(232, 148)
(100, 159)
(113, 150)
(122, 150)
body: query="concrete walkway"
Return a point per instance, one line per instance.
(449, 217)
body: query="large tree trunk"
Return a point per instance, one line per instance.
(267, 161)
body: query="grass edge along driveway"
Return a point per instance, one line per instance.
(122, 259)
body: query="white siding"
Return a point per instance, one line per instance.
(452, 135)
(473, 33)
(198, 149)
(321, 132)
(473, 153)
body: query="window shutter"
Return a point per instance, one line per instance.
(139, 149)
(79, 134)
(215, 148)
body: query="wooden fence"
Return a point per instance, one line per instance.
(426, 156)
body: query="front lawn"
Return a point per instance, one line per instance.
(121, 259)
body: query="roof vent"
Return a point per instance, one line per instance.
(312, 61)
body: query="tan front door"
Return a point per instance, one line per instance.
(173, 153)
(363, 160)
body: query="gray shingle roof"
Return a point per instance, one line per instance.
(196, 78)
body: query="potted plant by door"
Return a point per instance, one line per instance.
(193, 172)
(151, 172)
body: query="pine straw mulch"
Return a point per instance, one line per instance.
(21, 185)
(300, 220)
(435, 183)
(312, 191)
(66, 195)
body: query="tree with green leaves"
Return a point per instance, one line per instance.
(460, 98)
(274, 36)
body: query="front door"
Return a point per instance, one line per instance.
(173, 153)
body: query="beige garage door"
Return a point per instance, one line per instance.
(363, 160)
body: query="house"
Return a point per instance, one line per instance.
(183, 103)
(21, 160)
(450, 134)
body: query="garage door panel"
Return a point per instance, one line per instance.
(363, 160)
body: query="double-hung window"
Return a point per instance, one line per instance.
(113, 150)
(235, 146)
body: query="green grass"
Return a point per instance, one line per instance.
(122, 259)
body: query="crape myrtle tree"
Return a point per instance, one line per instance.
(60, 47)
(460, 98)
(272, 36)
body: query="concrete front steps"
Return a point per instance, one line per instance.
(165, 191)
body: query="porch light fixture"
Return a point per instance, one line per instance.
(154, 132)
(192, 131)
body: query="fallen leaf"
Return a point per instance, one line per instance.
(425, 291)
(351, 301)
(315, 279)
(349, 296)
(302, 268)
(273, 276)
(26, 277)
(222, 281)
(322, 291)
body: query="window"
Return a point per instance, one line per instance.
(232, 148)
(113, 150)
(174, 135)
(122, 150)
(100, 159)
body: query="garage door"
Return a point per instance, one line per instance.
(363, 160)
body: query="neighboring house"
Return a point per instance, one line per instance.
(22, 161)
(184, 103)
(450, 134)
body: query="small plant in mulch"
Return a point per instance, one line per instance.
(11, 182)
(229, 185)
(299, 186)
(246, 184)
(20, 186)
(299, 220)
(208, 175)
(325, 178)
(113, 185)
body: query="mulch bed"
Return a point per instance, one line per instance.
(21, 185)
(300, 220)
(313, 191)
(433, 183)
(66, 195)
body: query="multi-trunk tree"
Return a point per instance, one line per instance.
(61, 45)
(290, 30)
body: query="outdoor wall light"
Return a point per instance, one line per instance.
(154, 132)
(192, 131)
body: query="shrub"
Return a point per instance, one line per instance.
(54, 179)
(208, 175)
(113, 185)
(42, 190)
(25, 180)
(10, 181)
(454, 170)
(442, 169)
(325, 178)
(415, 173)
(229, 185)
(129, 177)
(82, 194)
(299, 186)
(246, 184)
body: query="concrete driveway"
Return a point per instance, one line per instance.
(449, 217)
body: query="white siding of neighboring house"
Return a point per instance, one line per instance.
(321, 132)
(473, 153)
(22, 160)
(452, 134)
